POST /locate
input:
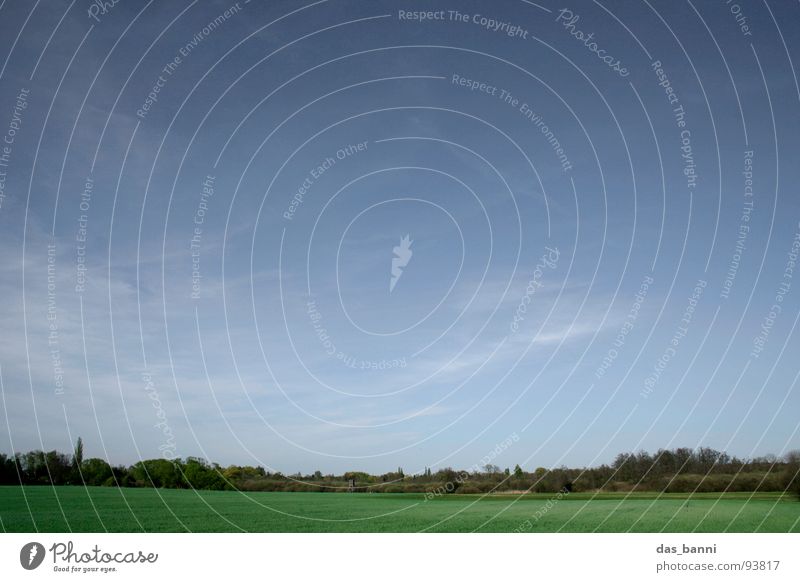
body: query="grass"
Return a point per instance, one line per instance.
(98, 509)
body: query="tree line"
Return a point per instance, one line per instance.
(679, 470)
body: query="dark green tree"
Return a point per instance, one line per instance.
(157, 473)
(792, 472)
(77, 457)
(95, 471)
(77, 460)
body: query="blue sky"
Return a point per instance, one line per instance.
(527, 264)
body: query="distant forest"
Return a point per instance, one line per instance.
(680, 470)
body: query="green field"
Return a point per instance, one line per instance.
(98, 509)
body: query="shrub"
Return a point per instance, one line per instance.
(469, 489)
(682, 484)
(393, 489)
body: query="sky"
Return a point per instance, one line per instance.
(361, 235)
